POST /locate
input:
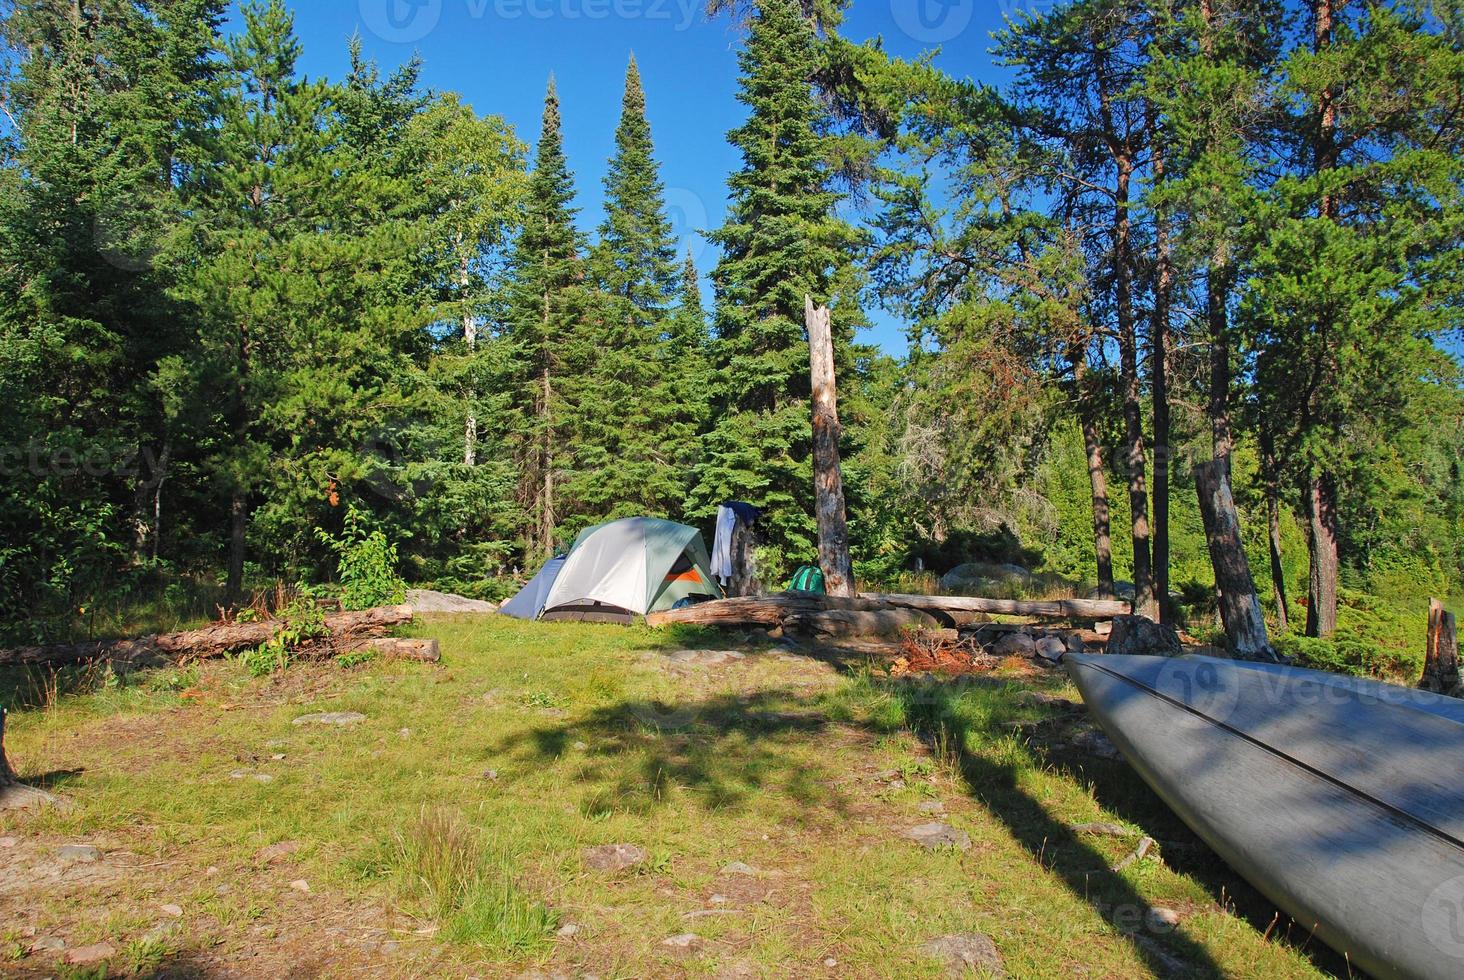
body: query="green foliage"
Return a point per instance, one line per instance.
(366, 563)
(302, 621)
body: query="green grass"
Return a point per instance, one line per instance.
(424, 866)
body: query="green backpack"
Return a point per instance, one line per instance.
(809, 578)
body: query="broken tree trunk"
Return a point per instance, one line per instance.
(7, 774)
(1240, 608)
(217, 640)
(828, 479)
(1441, 656)
(1053, 608)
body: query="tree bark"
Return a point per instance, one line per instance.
(470, 338)
(238, 525)
(828, 479)
(1097, 477)
(1240, 607)
(1441, 656)
(1133, 422)
(1321, 516)
(7, 774)
(1159, 373)
(220, 639)
(1270, 475)
(1050, 608)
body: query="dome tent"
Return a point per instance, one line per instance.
(529, 602)
(623, 569)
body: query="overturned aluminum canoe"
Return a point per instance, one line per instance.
(1340, 799)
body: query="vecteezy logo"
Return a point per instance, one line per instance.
(933, 21)
(1204, 686)
(688, 216)
(387, 468)
(400, 21)
(1443, 917)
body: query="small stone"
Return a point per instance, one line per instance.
(258, 777)
(933, 836)
(330, 718)
(9, 841)
(687, 943)
(718, 900)
(1050, 648)
(79, 853)
(276, 853)
(966, 953)
(580, 746)
(212, 869)
(87, 955)
(404, 732)
(932, 806)
(176, 911)
(490, 774)
(48, 944)
(1101, 829)
(1095, 743)
(831, 962)
(738, 868)
(568, 931)
(278, 756)
(1161, 919)
(613, 857)
(301, 885)
(388, 948)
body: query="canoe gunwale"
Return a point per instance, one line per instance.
(1390, 809)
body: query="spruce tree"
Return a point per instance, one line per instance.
(780, 242)
(546, 310)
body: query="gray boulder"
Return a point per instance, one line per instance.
(966, 954)
(428, 601)
(1016, 644)
(975, 574)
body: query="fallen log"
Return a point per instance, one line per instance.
(767, 611)
(218, 640)
(891, 622)
(1050, 608)
(396, 648)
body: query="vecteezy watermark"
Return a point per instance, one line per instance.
(687, 213)
(1443, 917)
(409, 21)
(401, 21)
(388, 470)
(933, 21)
(95, 461)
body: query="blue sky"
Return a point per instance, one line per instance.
(498, 54)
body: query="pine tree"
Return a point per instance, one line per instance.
(545, 327)
(780, 243)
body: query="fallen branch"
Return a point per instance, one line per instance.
(1052, 608)
(218, 640)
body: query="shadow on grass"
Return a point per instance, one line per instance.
(727, 748)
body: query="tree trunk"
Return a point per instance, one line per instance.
(470, 338)
(1321, 518)
(1270, 475)
(1441, 655)
(238, 525)
(1133, 421)
(1217, 285)
(1097, 478)
(1159, 371)
(1240, 608)
(828, 480)
(7, 774)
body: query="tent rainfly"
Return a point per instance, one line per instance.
(620, 570)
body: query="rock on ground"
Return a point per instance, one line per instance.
(936, 835)
(977, 574)
(704, 658)
(738, 868)
(87, 955)
(428, 601)
(686, 943)
(1018, 644)
(330, 718)
(613, 857)
(966, 953)
(22, 797)
(1101, 829)
(1138, 635)
(1095, 743)
(276, 853)
(78, 853)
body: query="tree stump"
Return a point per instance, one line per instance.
(1441, 656)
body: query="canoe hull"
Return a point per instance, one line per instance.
(1355, 866)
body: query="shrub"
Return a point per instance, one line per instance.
(303, 621)
(366, 564)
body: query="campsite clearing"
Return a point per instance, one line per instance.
(775, 810)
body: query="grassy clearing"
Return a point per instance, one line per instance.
(443, 835)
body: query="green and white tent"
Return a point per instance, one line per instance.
(627, 568)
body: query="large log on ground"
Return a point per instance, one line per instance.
(1051, 608)
(217, 640)
(767, 611)
(890, 622)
